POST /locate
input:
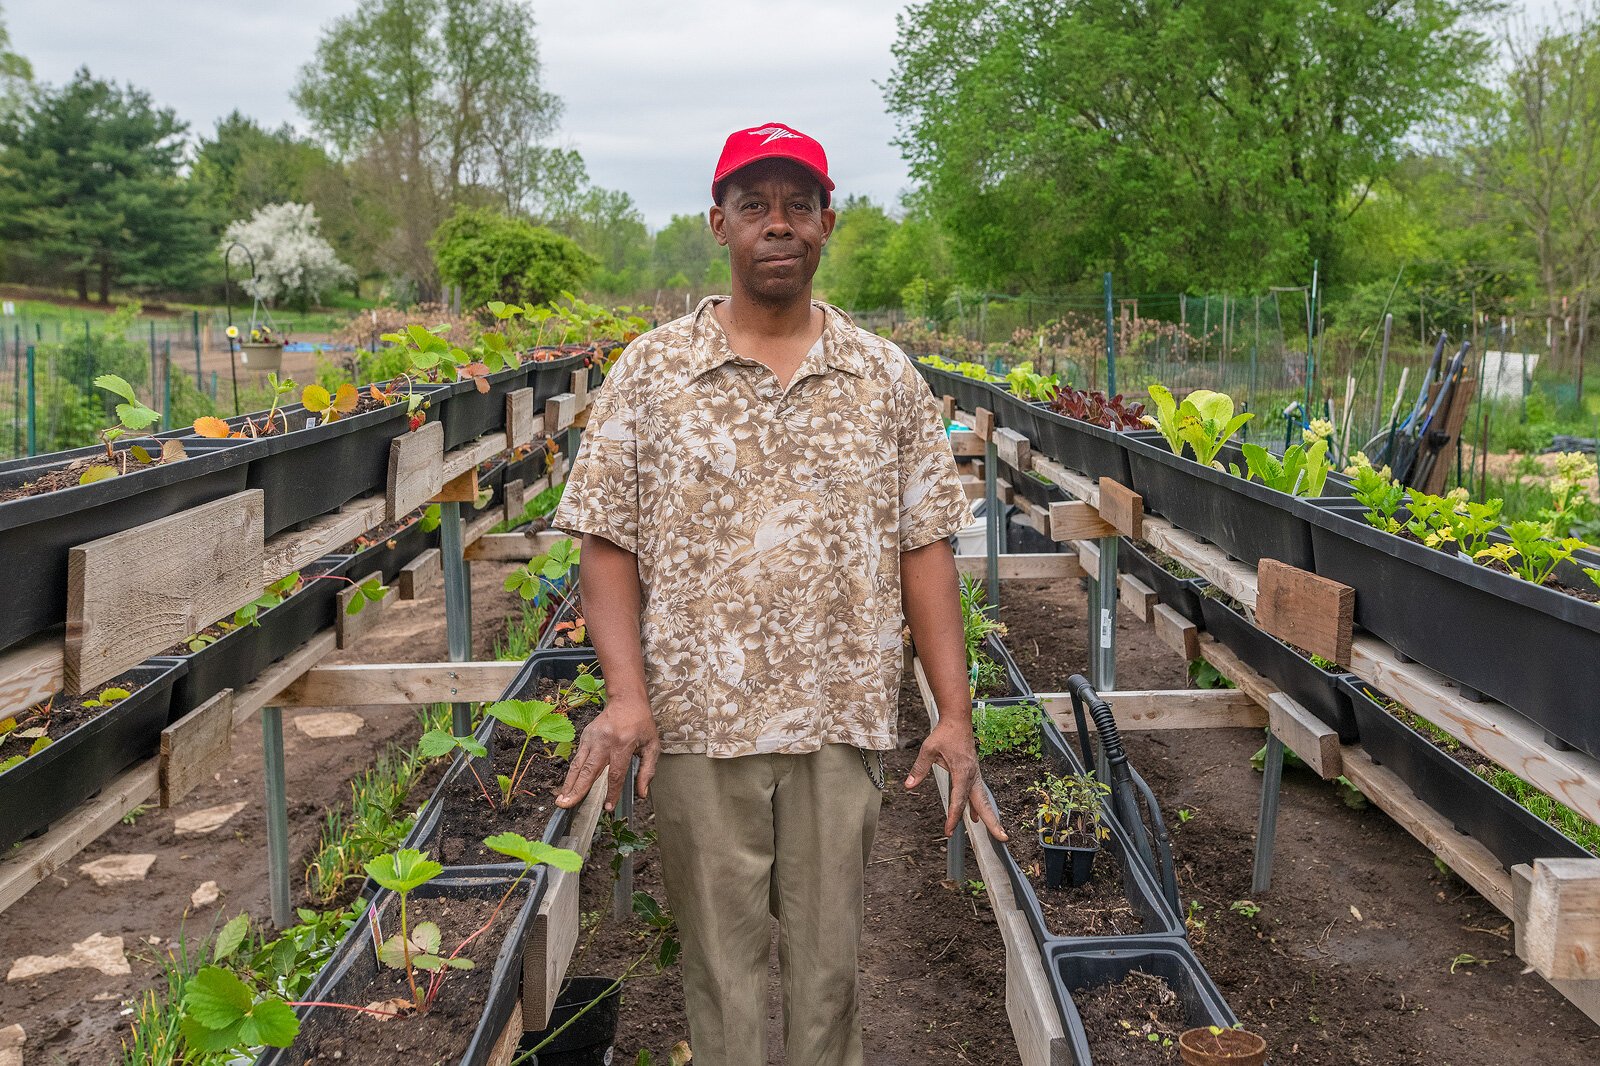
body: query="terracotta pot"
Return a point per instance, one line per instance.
(1222, 1047)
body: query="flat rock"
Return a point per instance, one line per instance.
(96, 952)
(204, 896)
(118, 869)
(207, 821)
(11, 1041)
(329, 724)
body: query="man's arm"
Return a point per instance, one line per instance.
(625, 728)
(931, 599)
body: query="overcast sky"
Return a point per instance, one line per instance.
(651, 89)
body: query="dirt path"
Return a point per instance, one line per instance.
(75, 1016)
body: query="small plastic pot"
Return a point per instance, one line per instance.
(1224, 1047)
(1066, 865)
(589, 1040)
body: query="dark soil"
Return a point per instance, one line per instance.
(469, 816)
(65, 713)
(379, 535)
(443, 1033)
(1098, 908)
(223, 628)
(1121, 1019)
(1165, 561)
(67, 477)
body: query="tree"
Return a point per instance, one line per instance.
(851, 273)
(245, 167)
(608, 226)
(291, 259)
(435, 103)
(89, 188)
(1204, 143)
(687, 254)
(493, 257)
(16, 77)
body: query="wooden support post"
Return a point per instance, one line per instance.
(1561, 937)
(1137, 597)
(291, 551)
(947, 407)
(417, 576)
(1076, 520)
(1306, 735)
(131, 594)
(983, 423)
(31, 672)
(554, 932)
(1122, 507)
(1177, 632)
(194, 746)
(559, 412)
(511, 501)
(1585, 995)
(416, 470)
(519, 417)
(1012, 447)
(1308, 611)
(347, 626)
(463, 488)
(965, 444)
(260, 692)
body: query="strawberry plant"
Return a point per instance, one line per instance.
(132, 417)
(271, 597)
(209, 426)
(542, 573)
(330, 407)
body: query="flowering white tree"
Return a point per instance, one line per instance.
(292, 260)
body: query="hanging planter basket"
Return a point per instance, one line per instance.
(261, 358)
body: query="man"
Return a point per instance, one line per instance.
(763, 491)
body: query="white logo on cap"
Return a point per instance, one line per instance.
(773, 133)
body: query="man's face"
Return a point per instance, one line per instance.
(772, 220)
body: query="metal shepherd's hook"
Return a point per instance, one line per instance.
(227, 300)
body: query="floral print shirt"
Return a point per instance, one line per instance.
(768, 524)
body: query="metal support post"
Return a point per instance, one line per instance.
(622, 890)
(991, 510)
(955, 864)
(1267, 823)
(457, 603)
(277, 816)
(1104, 628)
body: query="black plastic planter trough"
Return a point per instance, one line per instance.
(1512, 833)
(1181, 594)
(1534, 649)
(1078, 445)
(49, 785)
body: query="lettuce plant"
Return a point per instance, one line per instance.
(1022, 381)
(1092, 406)
(1303, 470)
(1204, 421)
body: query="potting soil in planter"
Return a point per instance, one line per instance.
(1099, 908)
(471, 818)
(1120, 1019)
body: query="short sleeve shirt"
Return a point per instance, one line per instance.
(768, 524)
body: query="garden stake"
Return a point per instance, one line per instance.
(277, 816)
(622, 888)
(457, 604)
(1267, 823)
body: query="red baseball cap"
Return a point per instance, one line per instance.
(772, 140)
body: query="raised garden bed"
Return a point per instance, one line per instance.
(241, 654)
(1447, 784)
(89, 747)
(1154, 986)
(390, 547)
(1036, 488)
(1535, 649)
(970, 393)
(1015, 686)
(1314, 688)
(36, 531)
(473, 1007)
(468, 414)
(1149, 565)
(1082, 446)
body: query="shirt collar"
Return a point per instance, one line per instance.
(841, 349)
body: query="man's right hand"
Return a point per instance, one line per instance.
(625, 728)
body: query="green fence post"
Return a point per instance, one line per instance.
(199, 375)
(1111, 343)
(166, 387)
(33, 428)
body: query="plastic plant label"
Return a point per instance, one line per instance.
(1105, 628)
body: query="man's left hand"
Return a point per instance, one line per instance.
(951, 747)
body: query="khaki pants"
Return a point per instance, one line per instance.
(747, 839)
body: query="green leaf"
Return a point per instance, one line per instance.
(271, 1023)
(426, 936)
(230, 937)
(96, 473)
(39, 745)
(434, 743)
(534, 852)
(137, 415)
(460, 963)
(113, 383)
(216, 998)
(403, 870)
(139, 453)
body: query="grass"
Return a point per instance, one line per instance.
(538, 507)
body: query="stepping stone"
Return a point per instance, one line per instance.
(118, 869)
(329, 724)
(96, 952)
(11, 1041)
(205, 895)
(207, 821)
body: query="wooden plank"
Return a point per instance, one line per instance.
(349, 627)
(1012, 449)
(417, 576)
(964, 443)
(479, 528)
(511, 501)
(1137, 597)
(1122, 507)
(1209, 561)
(134, 593)
(554, 932)
(399, 684)
(193, 747)
(1561, 937)
(947, 407)
(34, 860)
(1177, 632)
(983, 423)
(504, 1052)
(32, 672)
(580, 386)
(477, 453)
(1187, 708)
(1076, 520)
(1233, 668)
(1026, 566)
(519, 417)
(1305, 734)
(1490, 728)
(559, 412)
(1073, 484)
(512, 547)
(1310, 612)
(1003, 491)
(291, 551)
(416, 470)
(1088, 553)
(265, 688)
(463, 488)
(1585, 995)
(974, 488)
(1470, 860)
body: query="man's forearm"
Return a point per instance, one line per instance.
(611, 604)
(931, 598)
